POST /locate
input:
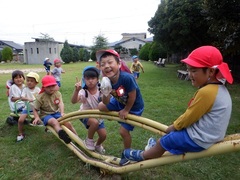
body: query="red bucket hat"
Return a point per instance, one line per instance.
(101, 52)
(47, 80)
(209, 56)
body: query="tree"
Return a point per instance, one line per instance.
(179, 25)
(7, 54)
(144, 51)
(75, 54)
(100, 42)
(157, 51)
(46, 37)
(0, 55)
(66, 53)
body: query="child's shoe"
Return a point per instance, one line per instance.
(20, 137)
(89, 143)
(150, 144)
(133, 155)
(64, 136)
(100, 149)
(124, 161)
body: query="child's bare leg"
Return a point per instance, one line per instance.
(155, 152)
(70, 126)
(20, 123)
(93, 126)
(55, 124)
(102, 134)
(127, 139)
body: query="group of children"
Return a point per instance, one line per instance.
(203, 123)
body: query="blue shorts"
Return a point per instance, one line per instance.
(46, 118)
(25, 111)
(179, 142)
(85, 121)
(114, 105)
(136, 74)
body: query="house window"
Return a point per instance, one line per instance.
(55, 50)
(31, 50)
(50, 52)
(37, 51)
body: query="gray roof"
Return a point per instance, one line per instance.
(12, 44)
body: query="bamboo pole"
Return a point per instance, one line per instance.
(109, 164)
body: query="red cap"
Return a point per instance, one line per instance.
(101, 52)
(209, 56)
(47, 80)
(56, 61)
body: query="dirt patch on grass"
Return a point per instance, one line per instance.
(23, 70)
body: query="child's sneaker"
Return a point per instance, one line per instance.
(150, 144)
(133, 155)
(100, 149)
(123, 160)
(20, 137)
(89, 143)
(64, 136)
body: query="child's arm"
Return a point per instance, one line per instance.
(142, 67)
(131, 99)
(61, 108)
(36, 117)
(78, 87)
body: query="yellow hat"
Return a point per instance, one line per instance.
(33, 75)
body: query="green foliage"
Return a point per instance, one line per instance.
(66, 53)
(76, 56)
(144, 51)
(93, 55)
(0, 55)
(157, 51)
(7, 54)
(133, 51)
(100, 42)
(86, 55)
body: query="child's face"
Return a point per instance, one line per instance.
(18, 80)
(31, 82)
(50, 89)
(91, 82)
(135, 60)
(110, 67)
(58, 64)
(198, 76)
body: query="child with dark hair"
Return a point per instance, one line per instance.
(15, 91)
(87, 93)
(206, 118)
(120, 93)
(47, 65)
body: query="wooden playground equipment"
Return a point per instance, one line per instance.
(110, 165)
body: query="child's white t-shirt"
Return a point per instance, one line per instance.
(30, 94)
(16, 92)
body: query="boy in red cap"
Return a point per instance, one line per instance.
(120, 93)
(50, 104)
(57, 71)
(206, 119)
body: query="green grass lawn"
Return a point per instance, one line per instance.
(42, 156)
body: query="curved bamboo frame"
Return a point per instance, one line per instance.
(109, 164)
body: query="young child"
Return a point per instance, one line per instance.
(206, 119)
(50, 104)
(57, 71)
(87, 93)
(28, 94)
(123, 94)
(135, 67)
(47, 64)
(15, 91)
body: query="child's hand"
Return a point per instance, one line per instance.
(78, 84)
(170, 129)
(123, 114)
(62, 114)
(106, 86)
(36, 121)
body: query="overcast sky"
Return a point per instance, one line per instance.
(77, 21)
